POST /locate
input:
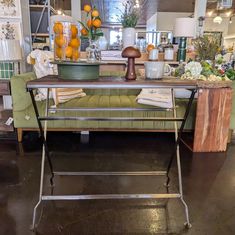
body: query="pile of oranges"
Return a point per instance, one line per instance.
(92, 23)
(66, 40)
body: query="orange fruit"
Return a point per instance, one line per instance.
(96, 23)
(59, 52)
(84, 32)
(58, 28)
(89, 23)
(95, 13)
(75, 54)
(75, 43)
(74, 31)
(87, 8)
(150, 47)
(68, 51)
(60, 40)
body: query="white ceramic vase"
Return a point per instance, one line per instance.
(128, 37)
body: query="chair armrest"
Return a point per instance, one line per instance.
(20, 97)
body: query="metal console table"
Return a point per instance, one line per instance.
(111, 83)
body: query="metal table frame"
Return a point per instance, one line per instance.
(49, 83)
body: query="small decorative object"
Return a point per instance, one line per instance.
(150, 47)
(66, 41)
(156, 69)
(153, 54)
(91, 30)
(78, 70)
(131, 53)
(129, 18)
(169, 53)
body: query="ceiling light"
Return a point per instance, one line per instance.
(230, 20)
(228, 13)
(59, 12)
(210, 13)
(218, 19)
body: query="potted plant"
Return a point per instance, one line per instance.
(206, 49)
(129, 18)
(91, 30)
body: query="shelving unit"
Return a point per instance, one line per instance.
(4, 114)
(232, 36)
(45, 8)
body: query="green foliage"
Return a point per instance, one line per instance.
(230, 73)
(93, 33)
(206, 47)
(130, 16)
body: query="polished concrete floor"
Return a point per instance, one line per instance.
(209, 187)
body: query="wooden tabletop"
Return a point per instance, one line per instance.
(110, 82)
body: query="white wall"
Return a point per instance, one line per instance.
(231, 31)
(76, 9)
(151, 24)
(231, 27)
(211, 26)
(165, 20)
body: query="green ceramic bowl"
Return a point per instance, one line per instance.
(78, 70)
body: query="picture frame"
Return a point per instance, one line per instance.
(10, 9)
(10, 30)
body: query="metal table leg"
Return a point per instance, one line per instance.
(42, 135)
(177, 152)
(45, 152)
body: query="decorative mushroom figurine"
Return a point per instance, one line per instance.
(131, 53)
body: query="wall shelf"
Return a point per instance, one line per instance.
(40, 7)
(231, 36)
(40, 34)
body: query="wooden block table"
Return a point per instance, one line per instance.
(214, 107)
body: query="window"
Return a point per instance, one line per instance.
(115, 37)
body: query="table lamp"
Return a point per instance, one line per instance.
(10, 55)
(184, 28)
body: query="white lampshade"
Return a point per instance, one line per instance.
(184, 27)
(10, 50)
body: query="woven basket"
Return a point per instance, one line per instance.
(216, 84)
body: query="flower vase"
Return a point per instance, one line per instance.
(128, 37)
(92, 51)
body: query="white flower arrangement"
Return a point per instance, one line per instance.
(193, 71)
(194, 68)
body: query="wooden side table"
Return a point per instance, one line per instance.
(111, 83)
